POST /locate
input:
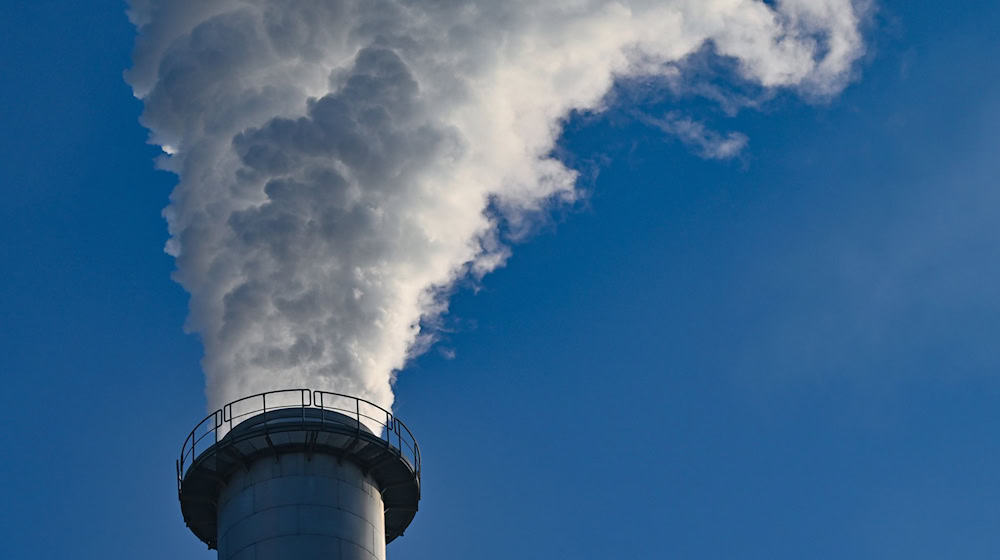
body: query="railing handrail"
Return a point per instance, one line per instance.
(308, 399)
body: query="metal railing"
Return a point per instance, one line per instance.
(383, 424)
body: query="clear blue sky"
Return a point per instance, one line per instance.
(790, 355)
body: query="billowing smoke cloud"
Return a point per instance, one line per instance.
(342, 163)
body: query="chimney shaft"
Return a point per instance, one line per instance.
(292, 506)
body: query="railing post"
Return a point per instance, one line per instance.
(388, 429)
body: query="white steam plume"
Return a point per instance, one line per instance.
(337, 158)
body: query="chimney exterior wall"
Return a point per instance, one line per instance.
(289, 506)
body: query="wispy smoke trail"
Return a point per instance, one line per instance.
(337, 158)
(708, 143)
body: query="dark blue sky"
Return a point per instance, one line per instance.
(789, 355)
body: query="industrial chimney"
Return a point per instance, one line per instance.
(299, 474)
